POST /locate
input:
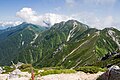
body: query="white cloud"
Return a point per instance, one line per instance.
(108, 21)
(91, 19)
(97, 22)
(10, 23)
(31, 16)
(4, 24)
(28, 15)
(54, 18)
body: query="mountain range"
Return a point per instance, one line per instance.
(69, 44)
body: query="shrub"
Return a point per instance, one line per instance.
(28, 68)
(24, 66)
(8, 69)
(47, 72)
(91, 69)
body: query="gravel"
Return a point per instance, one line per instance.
(72, 76)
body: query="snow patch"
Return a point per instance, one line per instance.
(23, 42)
(36, 35)
(112, 34)
(69, 61)
(71, 33)
(98, 33)
(21, 35)
(88, 35)
(104, 40)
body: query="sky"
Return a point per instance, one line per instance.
(95, 13)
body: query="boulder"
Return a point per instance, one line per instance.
(14, 74)
(113, 73)
(1, 70)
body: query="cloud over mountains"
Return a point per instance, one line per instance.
(4, 24)
(95, 13)
(28, 15)
(89, 18)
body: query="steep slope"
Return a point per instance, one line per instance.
(13, 40)
(69, 44)
(51, 42)
(108, 41)
(111, 48)
(65, 44)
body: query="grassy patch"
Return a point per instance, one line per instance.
(91, 69)
(7, 69)
(25, 67)
(28, 68)
(47, 72)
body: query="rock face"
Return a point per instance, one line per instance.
(112, 74)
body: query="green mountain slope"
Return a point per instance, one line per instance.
(13, 40)
(69, 44)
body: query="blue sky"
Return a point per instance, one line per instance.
(96, 13)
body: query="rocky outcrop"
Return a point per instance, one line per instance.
(1, 70)
(16, 75)
(113, 73)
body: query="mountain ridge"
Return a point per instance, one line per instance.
(16, 38)
(70, 44)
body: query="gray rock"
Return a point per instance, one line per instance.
(113, 73)
(1, 70)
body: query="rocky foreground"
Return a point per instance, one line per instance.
(73, 76)
(113, 73)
